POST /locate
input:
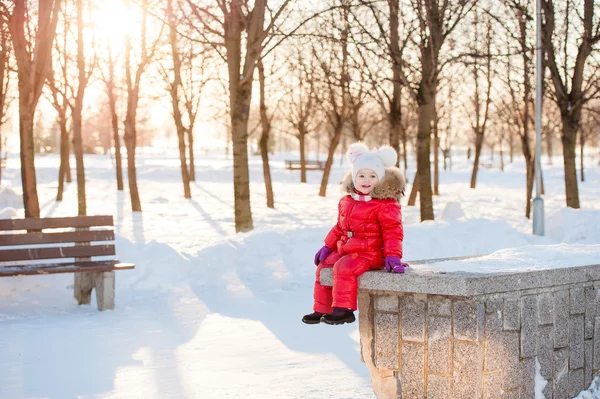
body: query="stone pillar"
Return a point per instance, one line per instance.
(467, 336)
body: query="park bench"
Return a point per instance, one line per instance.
(310, 165)
(34, 246)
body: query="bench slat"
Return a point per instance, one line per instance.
(54, 223)
(51, 238)
(70, 267)
(56, 252)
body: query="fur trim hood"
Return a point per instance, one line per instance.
(390, 187)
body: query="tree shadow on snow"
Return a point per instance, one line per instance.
(262, 277)
(60, 350)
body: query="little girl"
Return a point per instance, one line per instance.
(368, 234)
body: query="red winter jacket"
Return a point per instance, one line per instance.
(373, 227)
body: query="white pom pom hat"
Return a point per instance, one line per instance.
(376, 160)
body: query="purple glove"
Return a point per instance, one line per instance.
(394, 264)
(322, 254)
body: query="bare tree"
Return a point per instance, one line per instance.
(111, 92)
(573, 86)
(301, 100)
(481, 68)
(241, 31)
(32, 49)
(336, 82)
(133, 81)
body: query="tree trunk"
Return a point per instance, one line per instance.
(501, 159)
(426, 114)
(569, 136)
(264, 138)
(581, 145)
(412, 199)
(302, 144)
(64, 157)
(192, 171)
(130, 144)
(175, 85)
(404, 149)
(330, 154)
(549, 147)
(28, 178)
(436, 155)
(530, 165)
(478, 145)
(114, 119)
(77, 111)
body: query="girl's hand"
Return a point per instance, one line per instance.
(322, 254)
(394, 264)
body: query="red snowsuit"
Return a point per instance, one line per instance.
(365, 233)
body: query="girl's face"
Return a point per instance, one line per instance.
(366, 179)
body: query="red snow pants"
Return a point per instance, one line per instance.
(346, 270)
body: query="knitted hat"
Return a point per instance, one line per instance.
(376, 160)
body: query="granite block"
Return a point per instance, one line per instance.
(467, 373)
(561, 319)
(413, 362)
(528, 326)
(386, 341)
(576, 330)
(577, 300)
(468, 318)
(492, 386)
(439, 306)
(561, 373)
(575, 382)
(438, 387)
(413, 317)
(545, 308)
(438, 344)
(493, 342)
(386, 303)
(512, 314)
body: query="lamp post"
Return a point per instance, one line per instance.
(538, 202)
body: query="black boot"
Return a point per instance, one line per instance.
(339, 316)
(312, 318)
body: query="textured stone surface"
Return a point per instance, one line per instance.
(469, 284)
(596, 360)
(513, 394)
(577, 300)
(545, 350)
(438, 344)
(545, 308)
(468, 320)
(492, 386)
(588, 371)
(561, 373)
(561, 319)
(494, 305)
(467, 375)
(575, 382)
(387, 303)
(438, 387)
(590, 310)
(512, 314)
(386, 341)
(365, 327)
(413, 317)
(527, 377)
(510, 360)
(528, 326)
(438, 306)
(413, 359)
(576, 342)
(385, 383)
(493, 342)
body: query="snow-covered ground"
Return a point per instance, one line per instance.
(208, 313)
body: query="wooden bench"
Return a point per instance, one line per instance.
(310, 165)
(34, 246)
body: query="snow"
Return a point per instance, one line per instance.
(540, 382)
(208, 313)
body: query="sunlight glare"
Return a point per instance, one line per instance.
(111, 20)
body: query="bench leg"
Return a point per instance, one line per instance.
(84, 283)
(104, 282)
